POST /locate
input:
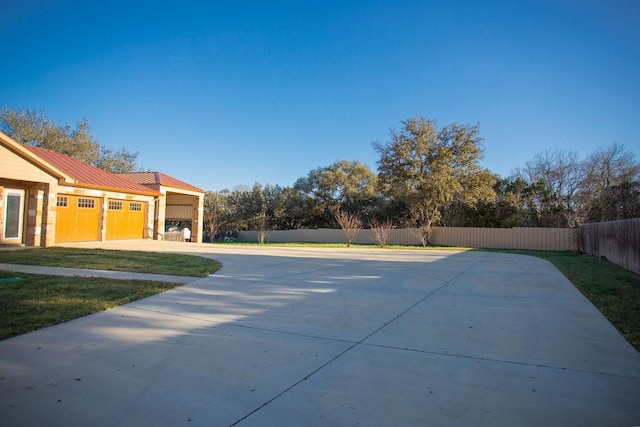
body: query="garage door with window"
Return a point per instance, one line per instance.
(77, 218)
(125, 219)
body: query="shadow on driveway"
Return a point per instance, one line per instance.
(333, 337)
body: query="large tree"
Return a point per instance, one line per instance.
(261, 208)
(422, 169)
(34, 128)
(515, 204)
(345, 185)
(215, 215)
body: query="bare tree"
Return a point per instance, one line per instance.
(557, 175)
(570, 192)
(423, 233)
(350, 223)
(610, 181)
(262, 224)
(381, 232)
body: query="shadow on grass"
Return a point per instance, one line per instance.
(29, 302)
(113, 260)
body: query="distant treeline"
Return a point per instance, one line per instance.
(428, 176)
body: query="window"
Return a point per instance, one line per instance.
(14, 204)
(115, 205)
(63, 202)
(135, 207)
(86, 203)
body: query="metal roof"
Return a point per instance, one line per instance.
(86, 175)
(159, 178)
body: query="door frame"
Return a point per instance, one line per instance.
(7, 192)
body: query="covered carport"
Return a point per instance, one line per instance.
(180, 202)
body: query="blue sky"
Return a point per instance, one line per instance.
(227, 93)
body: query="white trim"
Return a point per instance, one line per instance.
(8, 192)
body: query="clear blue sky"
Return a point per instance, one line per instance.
(227, 93)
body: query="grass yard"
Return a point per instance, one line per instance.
(33, 301)
(100, 259)
(37, 301)
(612, 289)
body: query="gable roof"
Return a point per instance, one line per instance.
(22, 151)
(159, 178)
(85, 175)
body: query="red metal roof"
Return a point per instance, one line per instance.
(88, 175)
(159, 178)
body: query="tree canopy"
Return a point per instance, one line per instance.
(429, 175)
(426, 175)
(33, 127)
(344, 185)
(422, 169)
(568, 191)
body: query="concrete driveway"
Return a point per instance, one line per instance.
(312, 337)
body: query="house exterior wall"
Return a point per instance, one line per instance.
(198, 215)
(160, 216)
(35, 215)
(20, 174)
(38, 218)
(16, 168)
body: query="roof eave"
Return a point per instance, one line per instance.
(20, 150)
(192, 190)
(113, 189)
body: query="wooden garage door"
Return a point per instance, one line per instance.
(77, 218)
(125, 219)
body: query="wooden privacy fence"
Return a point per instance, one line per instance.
(618, 241)
(546, 239)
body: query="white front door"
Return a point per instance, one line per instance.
(13, 216)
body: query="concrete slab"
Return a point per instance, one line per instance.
(332, 337)
(135, 367)
(400, 387)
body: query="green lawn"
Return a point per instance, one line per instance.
(99, 259)
(29, 302)
(37, 301)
